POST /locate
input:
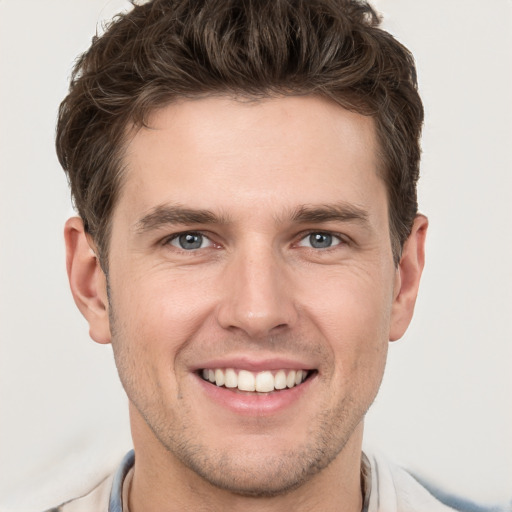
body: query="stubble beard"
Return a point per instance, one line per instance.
(248, 474)
(243, 473)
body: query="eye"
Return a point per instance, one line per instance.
(320, 240)
(190, 241)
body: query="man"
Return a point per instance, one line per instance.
(249, 242)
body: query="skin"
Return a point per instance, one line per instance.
(256, 290)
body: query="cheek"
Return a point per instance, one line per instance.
(155, 319)
(353, 316)
(161, 306)
(151, 319)
(354, 304)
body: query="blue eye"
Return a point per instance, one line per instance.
(190, 241)
(320, 240)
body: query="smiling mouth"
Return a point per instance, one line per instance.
(260, 382)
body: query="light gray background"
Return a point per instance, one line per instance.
(445, 408)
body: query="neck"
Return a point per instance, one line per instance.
(162, 483)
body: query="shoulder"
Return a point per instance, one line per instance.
(75, 481)
(96, 500)
(393, 489)
(106, 496)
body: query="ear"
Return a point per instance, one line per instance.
(87, 280)
(408, 278)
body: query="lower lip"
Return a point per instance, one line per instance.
(255, 404)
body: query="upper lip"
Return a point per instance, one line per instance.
(254, 364)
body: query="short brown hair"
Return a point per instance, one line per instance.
(167, 49)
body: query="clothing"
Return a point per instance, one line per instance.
(388, 488)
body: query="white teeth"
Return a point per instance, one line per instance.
(280, 380)
(246, 381)
(219, 377)
(231, 379)
(290, 379)
(262, 382)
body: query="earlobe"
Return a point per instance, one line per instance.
(408, 278)
(87, 280)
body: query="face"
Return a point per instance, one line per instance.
(252, 290)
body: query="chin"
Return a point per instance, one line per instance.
(262, 466)
(254, 475)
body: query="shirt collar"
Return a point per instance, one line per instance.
(116, 501)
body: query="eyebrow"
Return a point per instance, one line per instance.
(333, 212)
(175, 214)
(164, 215)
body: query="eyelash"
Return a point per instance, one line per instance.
(176, 236)
(342, 239)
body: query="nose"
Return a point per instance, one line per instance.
(257, 294)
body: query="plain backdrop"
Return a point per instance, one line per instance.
(445, 407)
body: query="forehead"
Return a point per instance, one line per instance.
(226, 152)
